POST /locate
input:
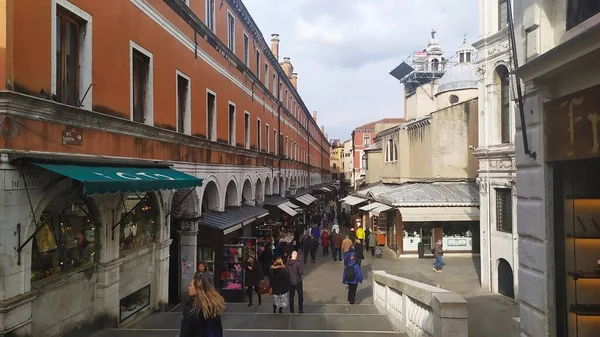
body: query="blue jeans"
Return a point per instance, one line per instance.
(438, 263)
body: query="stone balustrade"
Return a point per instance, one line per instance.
(418, 309)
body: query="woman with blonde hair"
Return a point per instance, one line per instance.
(202, 313)
(279, 280)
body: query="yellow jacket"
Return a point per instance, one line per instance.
(360, 233)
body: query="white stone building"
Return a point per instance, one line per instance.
(496, 152)
(558, 49)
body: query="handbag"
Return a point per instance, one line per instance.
(264, 287)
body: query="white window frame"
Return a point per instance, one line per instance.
(85, 51)
(230, 34)
(274, 84)
(267, 72)
(287, 147)
(246, 49)
(258, 134)
(211, 137)
(212, 23)
(149, 113)
(247, 133)
(187, 114)
(366, 137)
(275, 142)
(268, 137)
(233, 139)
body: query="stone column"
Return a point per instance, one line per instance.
(109, 261)
(189, 251)
(493, 114)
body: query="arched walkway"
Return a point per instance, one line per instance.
(281, 186)
(231, 195)
(259, 193)
(210, 197)
(268, 187)
(275, 188)
(247, 197)
(505, 279)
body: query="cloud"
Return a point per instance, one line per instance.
(343, 50)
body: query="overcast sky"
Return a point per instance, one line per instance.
(343, 50)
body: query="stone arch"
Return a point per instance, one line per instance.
(268, 186)
(211, 195)
(275, 188)
(247, 193)
(259, 192)
(187, 204)
(505, 278)
(281, 185)
(232, 196)
(49, 194)
(287, 184)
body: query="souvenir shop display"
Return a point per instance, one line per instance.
(232, 273)
(249, 244)
(264, 239)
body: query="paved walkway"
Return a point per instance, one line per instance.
(327, 310)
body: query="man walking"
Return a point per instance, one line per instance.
(367, 237)
(438, 252)
(352, 277)
(309, 243)
(372, 243)
(346, 244)
(336, 243)
(295, 273)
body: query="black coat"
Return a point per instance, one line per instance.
(358, 251)
(196, 325)
(253, 276)
(279, 280)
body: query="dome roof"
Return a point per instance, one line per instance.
(461, 76)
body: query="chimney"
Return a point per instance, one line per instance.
(275, 45)
(326, 136)
(294, 80)
(315, 116)
(287, 66)
(323, 129)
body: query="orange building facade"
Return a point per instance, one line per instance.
(133, 88)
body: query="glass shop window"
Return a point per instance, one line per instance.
(133, 303)
(138, 228)
(66, 238)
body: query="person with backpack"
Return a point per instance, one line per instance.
(352, 277)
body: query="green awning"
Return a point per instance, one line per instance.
(114, 180)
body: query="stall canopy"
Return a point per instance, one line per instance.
(293, 206)
(381, 208)
(370, 206)
(325, 189)
(114, 180)
(290, 211)
(351, 200)
(233, 219)
(306, 199)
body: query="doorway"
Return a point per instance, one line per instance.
(174, 267)
(505, 279)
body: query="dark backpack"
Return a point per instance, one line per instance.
(349, 273)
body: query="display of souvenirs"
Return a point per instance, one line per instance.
(134, 302)
(45, 239)
(264, 239)
(232, 272)
(249, 244)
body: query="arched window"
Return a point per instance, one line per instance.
(68, 237)
(503, 81)
(435, 64)
(395, 152)
(138, 228)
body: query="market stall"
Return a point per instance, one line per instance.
(232, 273)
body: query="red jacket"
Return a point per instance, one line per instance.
(325, 239)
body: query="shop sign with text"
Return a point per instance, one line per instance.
(571, 126)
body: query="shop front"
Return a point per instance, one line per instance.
(572, 152)
(95, 242)
(223, 238)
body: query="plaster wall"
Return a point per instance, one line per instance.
(374, 166)
(422, 102)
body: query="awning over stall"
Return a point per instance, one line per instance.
(381, 208)
(292, 205)
(232, 219)
(352, 200)
(306, 199)
(325, 189)
(113, 180)
(275, 200)
(370, 206)
(287, 209)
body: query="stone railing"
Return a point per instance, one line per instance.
(418, 309)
